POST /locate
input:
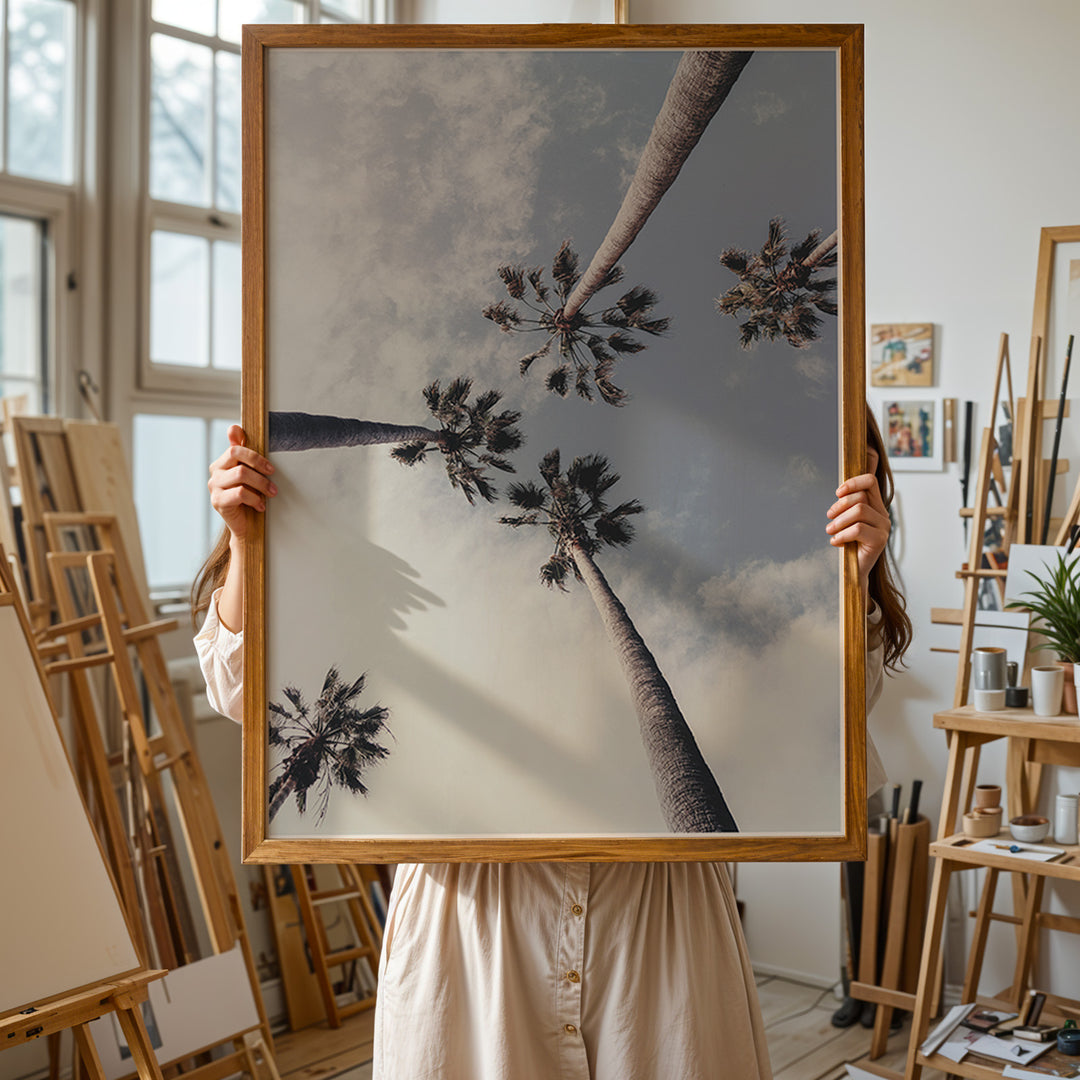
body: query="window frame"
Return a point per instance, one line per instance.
(71, 224)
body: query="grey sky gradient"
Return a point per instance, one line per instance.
(397, 183)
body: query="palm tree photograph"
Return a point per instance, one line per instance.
(545, 325)
(329, 743)
(572, 505)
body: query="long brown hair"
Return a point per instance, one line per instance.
(895, 628)
(211, 576)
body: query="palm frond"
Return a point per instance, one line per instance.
(556, 380)
(410, 453)
(564, 268)
(622, 343)
(513, 277)
(508, 318)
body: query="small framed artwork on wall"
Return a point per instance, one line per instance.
(902, 354)
(913, 433)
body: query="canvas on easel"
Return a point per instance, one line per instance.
(67, 954)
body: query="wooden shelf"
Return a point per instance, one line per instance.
(981, 1067)
(958, 849)
(1021, 723)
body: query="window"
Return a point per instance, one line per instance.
(191, 338)
(177, 524)
(38, 68)
(188, 329)
(39, 89)
(22, 311)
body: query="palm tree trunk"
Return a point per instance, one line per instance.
(285, 789)
(698, 88)
(821, 250)
(304, 431)
(689, 795)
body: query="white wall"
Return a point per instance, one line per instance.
(971, 147)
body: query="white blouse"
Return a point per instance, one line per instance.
(558, 971)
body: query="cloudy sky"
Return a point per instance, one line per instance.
(397, 183)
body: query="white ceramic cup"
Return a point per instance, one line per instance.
(1047, 687)
(1065, 819)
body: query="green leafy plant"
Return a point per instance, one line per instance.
(1056, 607)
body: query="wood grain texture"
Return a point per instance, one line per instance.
(561, 35)
(847, 41)
(254, 816)
(104, 484)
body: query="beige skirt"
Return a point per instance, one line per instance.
(567, 971)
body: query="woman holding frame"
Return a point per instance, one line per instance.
(598, 971)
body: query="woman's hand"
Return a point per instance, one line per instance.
(239, 483)
(859, 516)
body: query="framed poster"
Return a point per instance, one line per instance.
(912, 429)
(902, 354)
(559, 358)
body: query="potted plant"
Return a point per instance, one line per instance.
(1055, 603)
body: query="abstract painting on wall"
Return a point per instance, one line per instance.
(912, 431)
(902, 354)
(554, 336)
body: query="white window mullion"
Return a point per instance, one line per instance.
(4, 60)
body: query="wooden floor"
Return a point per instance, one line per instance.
(803, 1044)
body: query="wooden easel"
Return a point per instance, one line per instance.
(47, 483)
(352, 895)
(123, 996)
(122, 992)
(1022, 511)
(143, 858)
(130, 637)
(126, 629)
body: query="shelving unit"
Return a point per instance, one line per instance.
(1033, 742)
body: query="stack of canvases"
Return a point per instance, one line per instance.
(70, 544)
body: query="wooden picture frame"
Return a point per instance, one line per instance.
(1048, 333)
(273, 160)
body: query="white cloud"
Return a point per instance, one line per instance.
(761, 599)
(766, 105)
(363, 263)
(816, 370)
(801, 472)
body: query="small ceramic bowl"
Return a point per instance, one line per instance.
(989, 700)
(989, 813)
(1068, 1041)
(988, 795)
(981, 826)
(1029, 828)
(1016, 697)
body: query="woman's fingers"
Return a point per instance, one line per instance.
(241, 474)
(226, 499)
(242, 455)
(859, 513)
(865, 484)
(239, 479)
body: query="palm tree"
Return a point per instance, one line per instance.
(331, 743)
(470, 437)
(783, 298)
(573, 507)
(590, 354)
(698, 88)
